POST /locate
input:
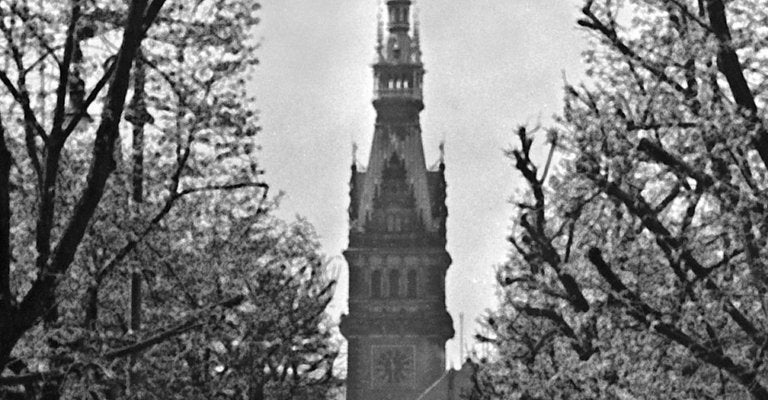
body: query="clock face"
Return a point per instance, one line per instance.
(393, 365)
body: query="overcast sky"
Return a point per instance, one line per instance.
(491, 65)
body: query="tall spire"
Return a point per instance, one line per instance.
(398, 323)
(399, 42)
(398, 72)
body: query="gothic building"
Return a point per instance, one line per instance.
(397, 324)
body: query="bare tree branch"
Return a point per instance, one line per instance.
(640, 311)
(230, 186)
(76, 118)
(729, 65)
(27, 379)
(132, 349)
(31, 125)
(593, 22)
(64, 72)
(670, 245)
(191, 299)
(657, 153)
(23, 101)
(41, 295)
(536, 230)
(159, 338)
(583, 348)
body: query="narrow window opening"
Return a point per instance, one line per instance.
(376, 284)
(412, 288)
(394, 283)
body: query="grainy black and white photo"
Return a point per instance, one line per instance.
(384, 199)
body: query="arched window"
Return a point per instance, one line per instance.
(412, 284)
(376, 284)
(394, 283)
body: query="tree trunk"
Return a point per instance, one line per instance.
(41, 296)
(7, 309)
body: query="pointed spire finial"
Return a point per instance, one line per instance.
(416, 35)
(354, 153)
(380, 31)
(441, 146)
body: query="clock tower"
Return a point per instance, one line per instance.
(397, 324)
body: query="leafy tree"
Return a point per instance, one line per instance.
(36, 140)
(276, 343)
(639, 265)
(129, 130)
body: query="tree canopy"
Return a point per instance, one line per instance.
(138, 252)
(639, 258)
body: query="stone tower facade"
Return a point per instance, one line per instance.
(397, 324)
